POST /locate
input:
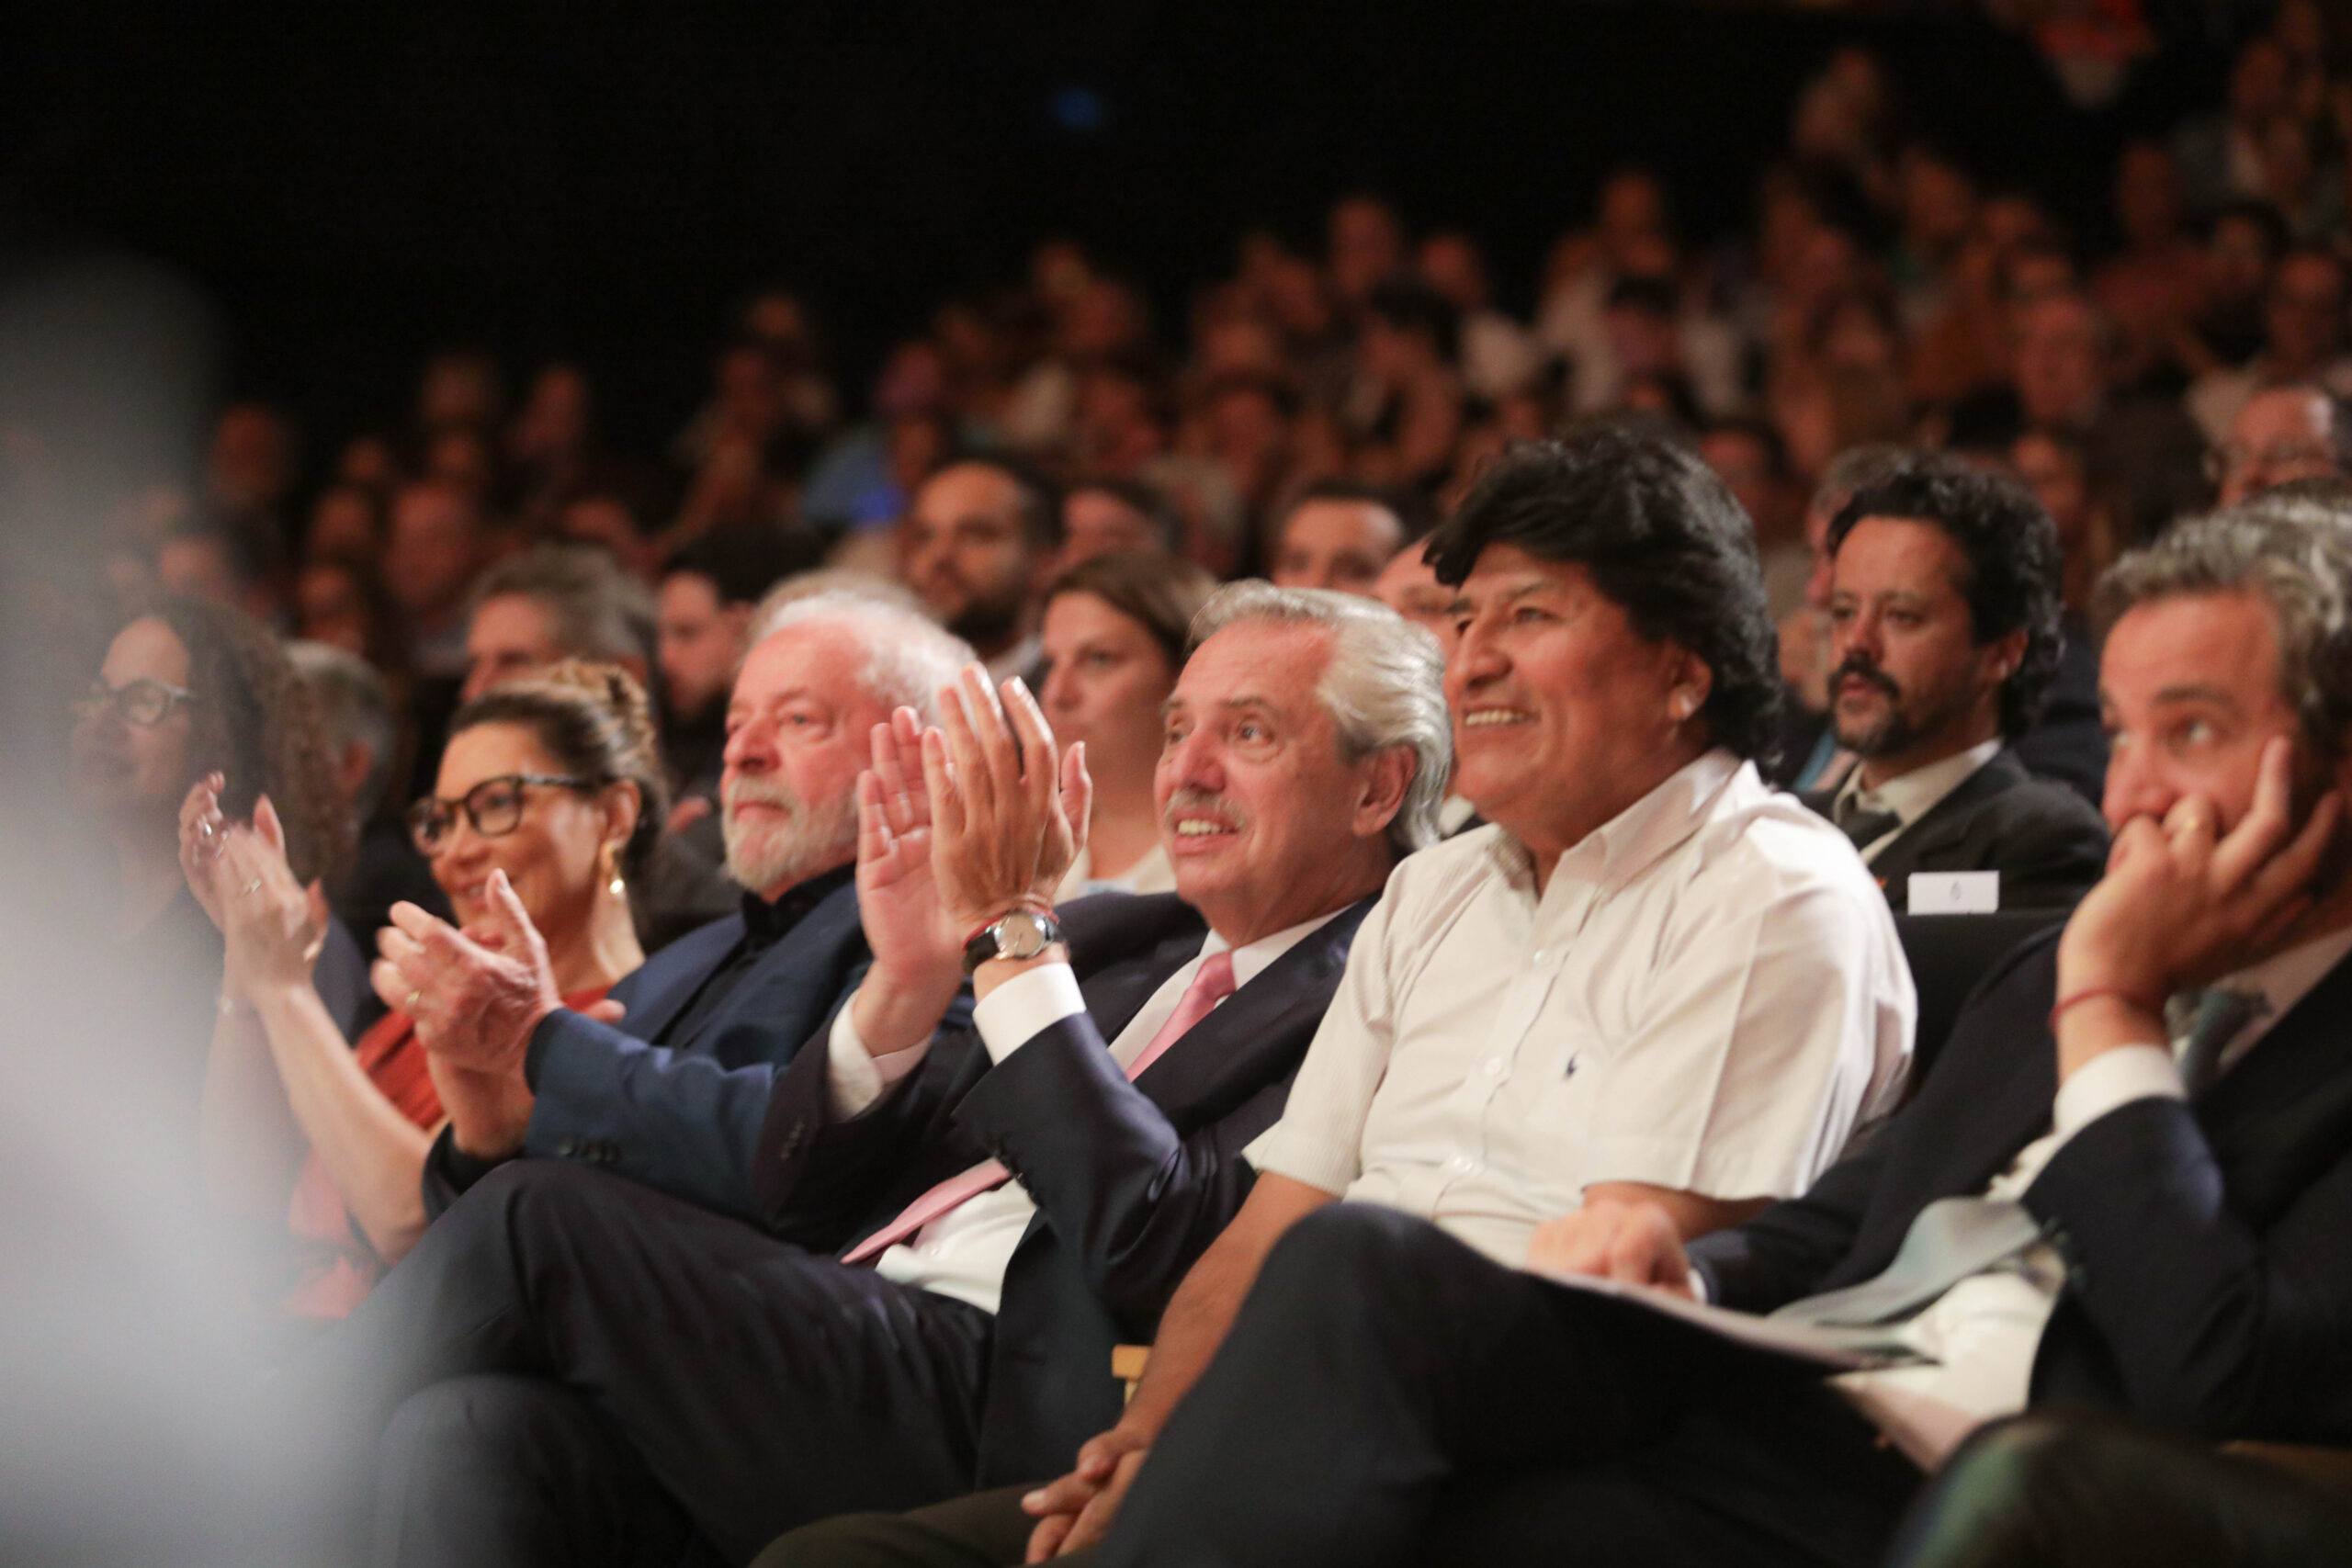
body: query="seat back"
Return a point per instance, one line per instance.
(1948, 955)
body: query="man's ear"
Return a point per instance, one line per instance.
(2006, 654)
(1690, 681)
(1385, 775)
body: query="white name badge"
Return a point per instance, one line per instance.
(1955, 892)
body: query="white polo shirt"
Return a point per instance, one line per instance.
(1708, 995)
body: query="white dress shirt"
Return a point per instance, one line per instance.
(1981, 1335)
(1708, 995)
(1917, 793)
(965, 1252)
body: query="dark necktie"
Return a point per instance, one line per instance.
(1865, 826)
(2205, 1022)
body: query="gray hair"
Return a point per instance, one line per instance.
(1385, 685)
(2297, 557)
(1856, 469)
(355, 708)
(594, 609)
(908, 656)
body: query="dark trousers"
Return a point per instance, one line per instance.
(1389, 1396)
(570, 1369)
(2075, 1490)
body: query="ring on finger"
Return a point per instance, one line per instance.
(409, 1006)
(250, 888)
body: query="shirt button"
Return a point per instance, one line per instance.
(1494, 1067)
(1462, 1163)
(1541, 956)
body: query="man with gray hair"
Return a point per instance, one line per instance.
(948, 1227)
(2124, 1188)
(738, 996)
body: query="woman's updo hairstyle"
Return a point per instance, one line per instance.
(592, 719)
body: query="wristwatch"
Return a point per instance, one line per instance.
(1023, 933)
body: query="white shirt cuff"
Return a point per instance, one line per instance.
(1033, 1001)
(2110, 1079)
(854, 1076)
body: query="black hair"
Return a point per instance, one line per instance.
(1143, 499)
(742, 561)
(2010, 544)
(1663, 539)
(1414, 512)
(1407, 304)
(1040, 502)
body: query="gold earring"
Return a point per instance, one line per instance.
(1682, 705)
(618, 888)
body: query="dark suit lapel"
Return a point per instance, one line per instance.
(1115, 994)
(789, 989)
(1948, 816)
(673, 976)
(2298, 1073)
(1289, 997)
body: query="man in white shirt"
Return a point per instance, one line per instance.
(950, 1229)
(2067, 1219)
(1943, 625)
(1649, 976)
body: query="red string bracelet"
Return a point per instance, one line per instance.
(2087, 993)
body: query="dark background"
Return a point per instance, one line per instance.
(353, 185)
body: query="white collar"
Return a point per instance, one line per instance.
(1917, 793)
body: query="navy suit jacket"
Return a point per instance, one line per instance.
(2208, 1279)
(684, 1116)
(1132, 1180)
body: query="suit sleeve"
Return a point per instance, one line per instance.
(2051, 857)
(1778, 1257)
(674, 1120)
(2215, 1327)
(1135, 1201)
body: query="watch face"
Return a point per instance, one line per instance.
(1020, 935)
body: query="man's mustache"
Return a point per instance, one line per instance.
(1864, 669)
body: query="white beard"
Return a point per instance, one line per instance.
(761, 855)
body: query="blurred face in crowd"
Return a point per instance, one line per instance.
(2147, 195)
(1367, 246)
(251, 458)
(1100, 522)
(2237, 263)
(125, 770)
(2305, 316)
(2059, 367)
(434, 549)
(1409, 586)
(343, 523)
(798, 730)
(331, 606)
(1745, 464)
(1105, 677)
(700, 641)
(2189, 693)
(2287, 432)
(1266, 821)
(510, 636)
(2054, 474)
(555, 855)
(1450, 264)
(200, 566)
(459, 390)
(1909, 684)
(1560, 707)
(1336, 544)
(964, 551)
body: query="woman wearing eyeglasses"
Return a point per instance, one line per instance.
(553, 781)
(187, 690)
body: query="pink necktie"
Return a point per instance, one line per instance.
(1210, 986)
